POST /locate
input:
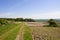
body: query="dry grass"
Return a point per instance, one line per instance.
(44, 33)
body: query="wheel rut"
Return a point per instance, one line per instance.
(20, 34)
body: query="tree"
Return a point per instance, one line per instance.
(52, 22)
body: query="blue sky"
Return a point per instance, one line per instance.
(37, 9)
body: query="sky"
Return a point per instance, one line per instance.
(36, 9)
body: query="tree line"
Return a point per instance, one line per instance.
(21, 19)
(51, 22)
(5, 20)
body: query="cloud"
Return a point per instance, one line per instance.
(4, 14)
(48, 15)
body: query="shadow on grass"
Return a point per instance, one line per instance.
(50, 26)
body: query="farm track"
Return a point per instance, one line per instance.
(20, 34)
(23, 33)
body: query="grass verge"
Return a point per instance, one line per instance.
(7, 27)
(27, 35)
(11, 33)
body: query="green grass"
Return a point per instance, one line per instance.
(6, 28)
(13, 34)
(10, 31)
(27, 35)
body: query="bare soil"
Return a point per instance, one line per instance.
(41, 24)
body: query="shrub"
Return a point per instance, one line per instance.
(3, 21)
(53, 23)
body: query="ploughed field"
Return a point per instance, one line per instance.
(44, 33)
(29, 31)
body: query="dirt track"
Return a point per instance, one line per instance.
(20, 34)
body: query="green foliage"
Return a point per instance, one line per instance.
(3, 21)
(25, 20)
(53, 23)
(6, 20)
(29, 20)
(19, 19)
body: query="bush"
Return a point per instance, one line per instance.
(53, 23)
(3, 21)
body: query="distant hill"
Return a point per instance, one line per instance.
(58, 21)
(41, 20)
(45, 20)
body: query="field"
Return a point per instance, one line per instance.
(9, 31)
(29, 31)
(44, 33)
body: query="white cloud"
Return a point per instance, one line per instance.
(48, 15)
(4, 14)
